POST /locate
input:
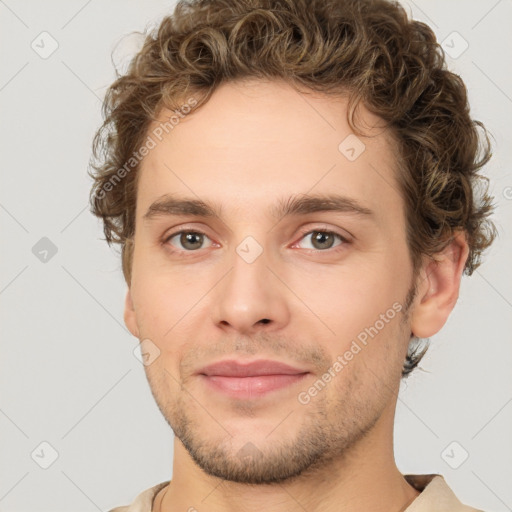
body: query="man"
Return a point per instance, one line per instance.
(291, 183)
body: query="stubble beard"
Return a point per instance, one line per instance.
(330, 429)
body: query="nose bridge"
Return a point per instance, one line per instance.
(250, 296)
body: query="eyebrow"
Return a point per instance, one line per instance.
(168, 205)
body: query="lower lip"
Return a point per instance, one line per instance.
(251, 387)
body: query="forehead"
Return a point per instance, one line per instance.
(254, 141)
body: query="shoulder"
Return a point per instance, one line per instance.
(435, 495)
(143, 501)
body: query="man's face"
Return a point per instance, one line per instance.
(307, 289)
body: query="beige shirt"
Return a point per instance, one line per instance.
(435, 496)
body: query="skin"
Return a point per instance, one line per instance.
(250, 145)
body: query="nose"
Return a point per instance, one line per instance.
(250, 298)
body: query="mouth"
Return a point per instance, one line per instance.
(250, 380)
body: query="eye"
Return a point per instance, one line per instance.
(323, 239)
(189, 240)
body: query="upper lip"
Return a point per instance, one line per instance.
(233, 368)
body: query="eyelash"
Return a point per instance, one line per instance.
(336, 248)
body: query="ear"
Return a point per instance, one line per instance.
(438, 287)
(129, 315)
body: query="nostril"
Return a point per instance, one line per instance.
(265, 321)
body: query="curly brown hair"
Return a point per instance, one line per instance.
(367, 50)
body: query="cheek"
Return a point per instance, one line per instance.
(162, 294)
(349, 299)
(169, 311)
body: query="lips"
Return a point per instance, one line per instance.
(250, 380)
(233, 368)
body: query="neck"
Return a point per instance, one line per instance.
(365, 478)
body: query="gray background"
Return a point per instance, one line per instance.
(67, 370)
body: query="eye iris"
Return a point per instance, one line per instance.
(191, 238)
(320, 236)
